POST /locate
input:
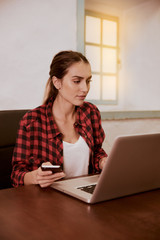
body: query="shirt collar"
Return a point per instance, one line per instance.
(81, 115)
(52, 127)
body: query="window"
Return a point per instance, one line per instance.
(101, 49)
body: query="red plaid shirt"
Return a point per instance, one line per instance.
(39, 139)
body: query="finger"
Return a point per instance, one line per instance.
(47, 181)
(59, 175)
(52, 177)
(44, 173)
(44, 185)
(46, 163)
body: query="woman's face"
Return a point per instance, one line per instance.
(75, 84)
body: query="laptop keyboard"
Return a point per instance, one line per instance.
(88, 189)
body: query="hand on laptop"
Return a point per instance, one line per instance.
(102, 162)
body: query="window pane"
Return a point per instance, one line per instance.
(109, 88)
(94, 92)
(109, 60)
(93, 55)
(109, 33)
(93, 29)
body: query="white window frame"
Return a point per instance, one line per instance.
(112, 18)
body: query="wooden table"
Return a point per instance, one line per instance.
(33, 213)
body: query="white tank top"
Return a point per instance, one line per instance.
(76, 158)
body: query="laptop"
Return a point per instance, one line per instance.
(133, 166)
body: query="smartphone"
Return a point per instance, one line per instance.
(53, 168)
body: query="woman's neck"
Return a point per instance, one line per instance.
(63, 111)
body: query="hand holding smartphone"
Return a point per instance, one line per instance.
(53, 168)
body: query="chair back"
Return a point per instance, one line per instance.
(9, 122)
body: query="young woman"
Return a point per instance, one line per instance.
(64, 131)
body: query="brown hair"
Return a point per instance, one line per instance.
(59, 68)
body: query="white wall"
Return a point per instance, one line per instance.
(141, 59)
(115, 128)
(31, 32)
(139, 71)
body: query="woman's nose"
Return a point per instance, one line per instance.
(84, 87)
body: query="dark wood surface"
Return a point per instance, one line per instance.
(34, 213)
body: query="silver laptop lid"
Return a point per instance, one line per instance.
(133, 166)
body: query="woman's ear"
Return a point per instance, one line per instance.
(56, 82)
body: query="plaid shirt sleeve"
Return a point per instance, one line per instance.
(20, 155)
(38, 141)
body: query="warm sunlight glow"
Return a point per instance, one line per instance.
(109, 33)
(109, 88)
(93, 29)
(93, 55)
(109, 64)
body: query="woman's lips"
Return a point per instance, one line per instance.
(82, 97)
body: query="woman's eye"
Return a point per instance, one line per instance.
(77, 81)
(88, 81)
